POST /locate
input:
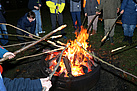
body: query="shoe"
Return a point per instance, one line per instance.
(130, 40)
(41, 32)
(111, 40)
(125, 39)
(37, 34)
(93, 32)
(112, 43)
(136, 47)
(37, 48)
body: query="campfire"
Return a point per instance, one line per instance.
(75, 61)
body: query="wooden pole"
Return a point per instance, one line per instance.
(107, 35)
(34, 43)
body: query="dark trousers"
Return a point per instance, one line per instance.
(57, 18)
(19, 32)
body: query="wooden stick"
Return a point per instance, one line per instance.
(50, 76)
(53, 43)
(20, 29)
(56, 36)
(84, 20)
(91, 23)
(61, 43)
(34, 43)
(19, 44)
(107, 35)
(106, 62)
(61, 48)
(118, 48)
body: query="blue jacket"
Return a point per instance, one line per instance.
(2, 51)
(24, 23)
(130, 14)
(33, 3)
(19, 84)
(2, 19)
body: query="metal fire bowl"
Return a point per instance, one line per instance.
(79, 83)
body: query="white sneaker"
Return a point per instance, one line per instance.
(37, 34)
(136, 47)
(41, 32)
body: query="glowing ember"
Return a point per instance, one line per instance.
(76, 55)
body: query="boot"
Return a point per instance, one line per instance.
(93, 32)
(89, 32)
(130, 40)
(125, 39)
(111, 41)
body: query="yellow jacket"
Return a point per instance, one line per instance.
(52, 4)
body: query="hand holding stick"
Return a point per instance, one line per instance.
(56, 67)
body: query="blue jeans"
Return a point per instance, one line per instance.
(3, 38)
(38, 21)
(128, 29)
(76, 16)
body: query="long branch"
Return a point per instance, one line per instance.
(106, 62)
(34, 43)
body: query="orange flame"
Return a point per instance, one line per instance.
(76, 55)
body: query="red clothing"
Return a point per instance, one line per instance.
(1, 69)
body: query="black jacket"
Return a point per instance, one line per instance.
(24, 23)
(33, 3)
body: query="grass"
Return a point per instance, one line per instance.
(126, 58)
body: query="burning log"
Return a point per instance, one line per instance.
(34, 43)
(85, 69)
(67, 65)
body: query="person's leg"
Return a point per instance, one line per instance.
(108, 23)
(73, 15)
(37, 22)
(60, 22)
(95, 23)
(131, 31)
(125, 30)
(4, 40)
(78, 14)
(40, 23)
(53, 21)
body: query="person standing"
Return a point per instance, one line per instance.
(75, 10)
(90, 11)
(110, 10)
(35, 5)
(56, 8)
(21, 84)
(3, 29)
(129, 19)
